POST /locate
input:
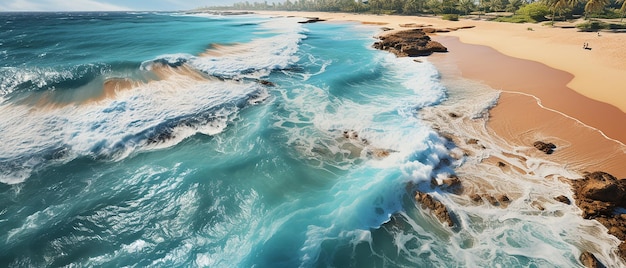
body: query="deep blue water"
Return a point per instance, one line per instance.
(198, 163)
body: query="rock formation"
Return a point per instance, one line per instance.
(409, 43)
(547, 148)
(437, 208)
(589, 260)
(563, 199)
(598, 195)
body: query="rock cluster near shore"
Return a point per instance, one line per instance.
(436, 207)
(598, 195)
(409, 43)
(547, 148)
(589, 260)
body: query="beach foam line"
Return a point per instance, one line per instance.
(568, 116)
(504, 72)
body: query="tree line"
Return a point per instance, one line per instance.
(524, 9)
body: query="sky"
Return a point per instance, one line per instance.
(112, 5)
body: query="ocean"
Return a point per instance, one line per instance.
(177, 140)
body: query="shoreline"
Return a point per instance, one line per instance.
(597, 72)
(491, 40)
(523, 116)
(542, 97)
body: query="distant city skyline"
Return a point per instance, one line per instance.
(113, 5)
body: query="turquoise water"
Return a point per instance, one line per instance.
(212, 168)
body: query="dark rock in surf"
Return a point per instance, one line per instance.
(472, 141)
(312, 20)
(547, 148)
(266, 83)
(563, 199)
(409, 43)
(589, 260)
(451, 181)
(435, 206)
(503, 199)
(476, 198)
(491, 199)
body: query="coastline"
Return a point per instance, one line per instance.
(597, 72)
(568, 73)
(533, 110)
(552, 93)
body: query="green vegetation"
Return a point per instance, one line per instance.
(592, 26)
(523, 10)
(515, 19)
(453, 17)
(536, 11)
(595, 25)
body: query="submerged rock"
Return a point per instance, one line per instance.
(476, 198)
(409, 43)
(266, 83)
(492, 200)
(563, 199)
(503, 198)
(312, 20)
(589, 260)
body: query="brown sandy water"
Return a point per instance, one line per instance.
(111, 87)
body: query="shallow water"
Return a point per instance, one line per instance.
(198, 163)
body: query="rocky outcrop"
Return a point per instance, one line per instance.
(409, 43)
(601, 186)
(598, 195)
(436, 207)
(547, 148)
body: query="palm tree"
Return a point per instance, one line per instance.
(513, 5)
(560, 5)
(595, 6)
(622, 9)
(466, 6)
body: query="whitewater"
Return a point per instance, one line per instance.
(176, 140)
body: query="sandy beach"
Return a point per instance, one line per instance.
(582, 89)
(552, 91)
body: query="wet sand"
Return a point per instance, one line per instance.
(506, 73)
(580, 91)
(536, 105)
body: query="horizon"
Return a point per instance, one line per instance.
(110, 5)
